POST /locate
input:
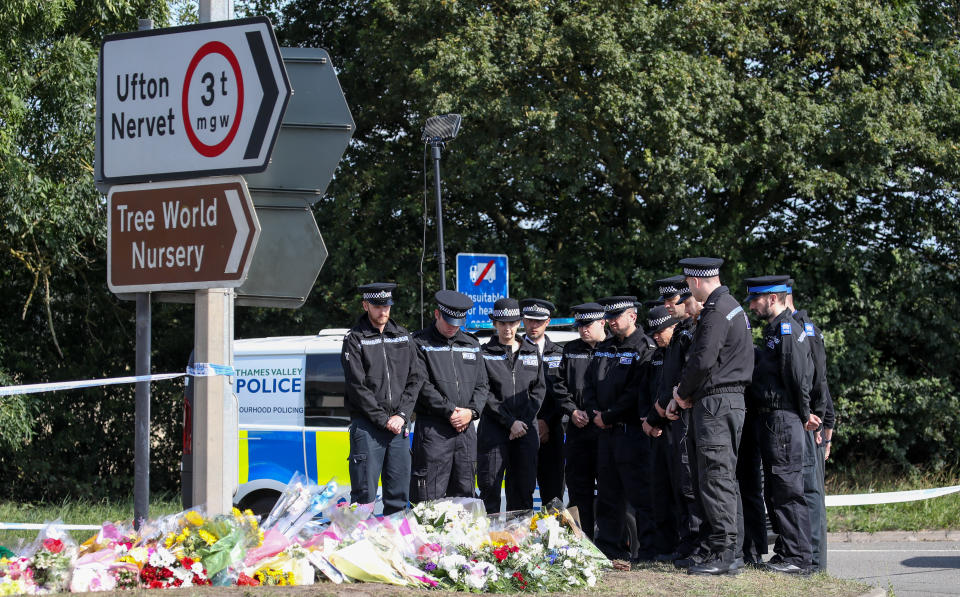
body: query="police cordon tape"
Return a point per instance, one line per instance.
(856, 499)
(197, 370)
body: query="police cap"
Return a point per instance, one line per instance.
(766, 285)
(659, 319)
(505, 309)
(453, 306)
(378, 293)
(534, 308)
(587, 313)
(615, 305)
(701, 267)
(670, 287)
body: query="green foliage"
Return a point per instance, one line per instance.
(599, 145)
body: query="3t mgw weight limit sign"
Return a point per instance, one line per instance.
(190, 101)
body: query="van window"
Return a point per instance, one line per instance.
(324, 392)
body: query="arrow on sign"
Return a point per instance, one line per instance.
(270, 94)
(180, 235)
(243, 231)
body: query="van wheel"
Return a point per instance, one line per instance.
(260, 502)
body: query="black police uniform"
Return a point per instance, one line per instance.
(580, 446)
(718, 368)
(382, 380)
(550, 455)
(517, 389)
(444, 460)
(821, 404)
(623, 450)
(666, 518)
(780, 395)
(690, 523)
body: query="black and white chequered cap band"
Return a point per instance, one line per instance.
(618, 306)
(451, 312)
(666, 290)
(383, 294)
(536, 310)
(655, 322)
(701, 273)
(595, 315)
(505, 313)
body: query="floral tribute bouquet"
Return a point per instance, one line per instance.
(543, 552)
(453, 522)
(214, 543)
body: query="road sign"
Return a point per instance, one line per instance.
(289, 255)
(189, 101)
(316, 129)
(484, 277)
(180, 235)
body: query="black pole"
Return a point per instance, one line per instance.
(436, 177)
(141, 417)
(141, 457)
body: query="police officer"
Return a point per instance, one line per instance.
(780, 395)
(718, 368)
(581, 437)
(536, 317)
(507, 437)
(382, 382)
(453, 394)
(814, 455)
(611, 398)
(660, 325)
(679, 303)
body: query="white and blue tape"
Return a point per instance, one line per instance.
(197, 370)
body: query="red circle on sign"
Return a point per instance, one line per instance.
(213, 47)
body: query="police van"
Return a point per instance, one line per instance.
(292, 414)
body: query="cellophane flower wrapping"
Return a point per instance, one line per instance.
(51, 557)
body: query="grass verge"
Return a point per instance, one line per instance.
(76, 512)
(932, 514)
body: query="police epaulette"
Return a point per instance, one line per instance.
(785, 328)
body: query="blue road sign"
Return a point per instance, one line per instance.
(484, 277)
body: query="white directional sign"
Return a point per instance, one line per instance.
(189, 101)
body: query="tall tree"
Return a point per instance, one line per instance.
(600, 144)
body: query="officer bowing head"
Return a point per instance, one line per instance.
(506, 320)
(451, 311)
(621, 314)
(660, 325)
(588, 318)
(669, 289)
(377, 299)
(767, 295)
(702, 275)
(536, 317)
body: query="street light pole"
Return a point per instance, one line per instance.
(437, 144)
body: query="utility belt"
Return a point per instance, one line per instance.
(624, 427)
(766, 405)
(724, 388)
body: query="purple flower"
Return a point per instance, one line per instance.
(430, 567)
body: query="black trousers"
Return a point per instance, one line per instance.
(581, 473)
(750, 478)
(815, 495)
(692, 529)
(374, 451)
(517, 458)
(781, 439)
(666, 513)
(444, 461)
(714, 437)
(550, 465)
(624, 464)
